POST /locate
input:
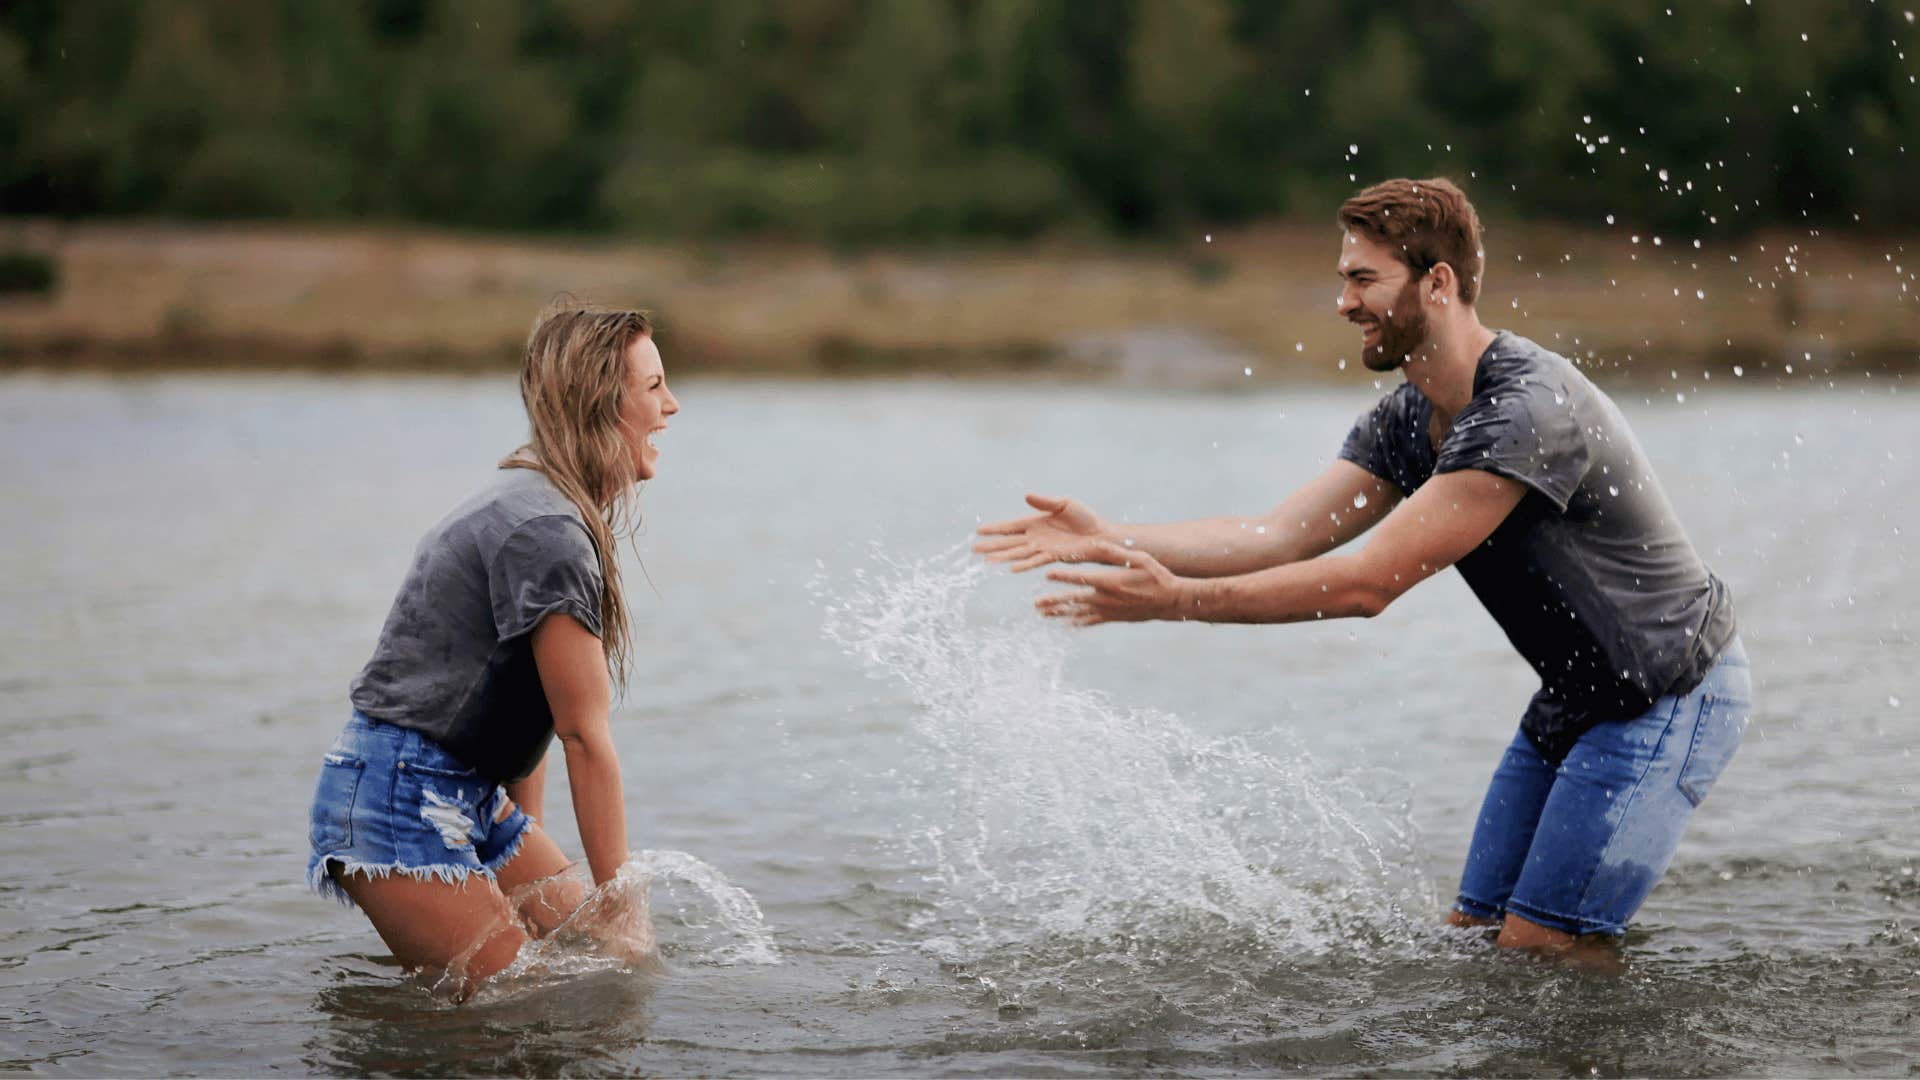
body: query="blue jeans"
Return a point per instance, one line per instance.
(390, 799)
(1577, 848)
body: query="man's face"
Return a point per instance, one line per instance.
(1381, 295)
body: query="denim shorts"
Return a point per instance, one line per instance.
(390, 799)
(1577, 848)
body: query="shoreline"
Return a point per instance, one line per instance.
(161, 297)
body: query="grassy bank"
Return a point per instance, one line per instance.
(167, 297)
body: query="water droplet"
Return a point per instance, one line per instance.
(1612, 490)
(1248, 370)
(1343, 363)
(1739, 372)
(1892, 702)
(1701, 293)
(1209, 238)
(1359, 500)
(1353, 148)
(1609, 219)
(1799, 440)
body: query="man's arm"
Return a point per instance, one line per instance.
(1446, 519)
(1331, 509)
(573, 670)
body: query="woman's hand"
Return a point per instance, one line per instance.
(617, 922)
(1140, 590)
(1065, 530)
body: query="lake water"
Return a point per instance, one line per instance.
(898, 826)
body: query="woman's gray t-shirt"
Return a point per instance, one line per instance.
(1590, 576)
(455, 659)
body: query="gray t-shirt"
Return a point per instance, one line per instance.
(455, 659)
(1590, 576)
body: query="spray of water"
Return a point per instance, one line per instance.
(1053, 810)
(702, 919)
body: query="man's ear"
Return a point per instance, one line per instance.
(1443, 285)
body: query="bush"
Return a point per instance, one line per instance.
(28, 272)
(256, 174)
(840, 199)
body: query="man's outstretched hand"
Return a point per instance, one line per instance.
(1140, 590)
(1065, 530)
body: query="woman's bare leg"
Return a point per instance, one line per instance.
(535, 883)
(433, 925)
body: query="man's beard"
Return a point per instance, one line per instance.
(1402, 330)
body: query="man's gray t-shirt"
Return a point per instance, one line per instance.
(455, 659)
(1590, 576)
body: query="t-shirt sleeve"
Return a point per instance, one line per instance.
(1527, 433)
(1367, 444)
(547, 565)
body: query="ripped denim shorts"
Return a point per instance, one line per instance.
(390, 799)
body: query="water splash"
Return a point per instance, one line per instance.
(1054, 811)
(710, 920)
(703, 919)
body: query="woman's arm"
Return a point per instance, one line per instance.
(573, 670)
(529, 793)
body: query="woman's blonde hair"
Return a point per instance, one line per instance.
(573, 381)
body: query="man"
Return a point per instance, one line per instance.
(1502, 458)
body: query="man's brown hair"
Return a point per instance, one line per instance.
(1425, 222)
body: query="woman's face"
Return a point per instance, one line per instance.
(646, 407)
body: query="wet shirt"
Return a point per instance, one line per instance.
(1590, 576)
(455, 659)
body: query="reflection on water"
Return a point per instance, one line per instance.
(1138, 849)
(589, 1023)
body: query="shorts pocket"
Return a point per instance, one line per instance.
(331, 826)
(456, 773)
(1716, 735)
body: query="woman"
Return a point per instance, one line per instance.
(508, 630)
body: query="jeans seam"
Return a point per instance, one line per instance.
(1707, 703)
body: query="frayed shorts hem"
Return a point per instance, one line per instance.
(390, 800)
(320, 878)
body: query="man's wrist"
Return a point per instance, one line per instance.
(1191, 599)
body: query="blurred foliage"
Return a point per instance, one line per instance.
(902, 120)
(28, 272)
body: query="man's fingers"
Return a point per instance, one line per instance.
(1010, 528)
(1091, 579)
(998, 543)
(1049, 504)
(1075, 608)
